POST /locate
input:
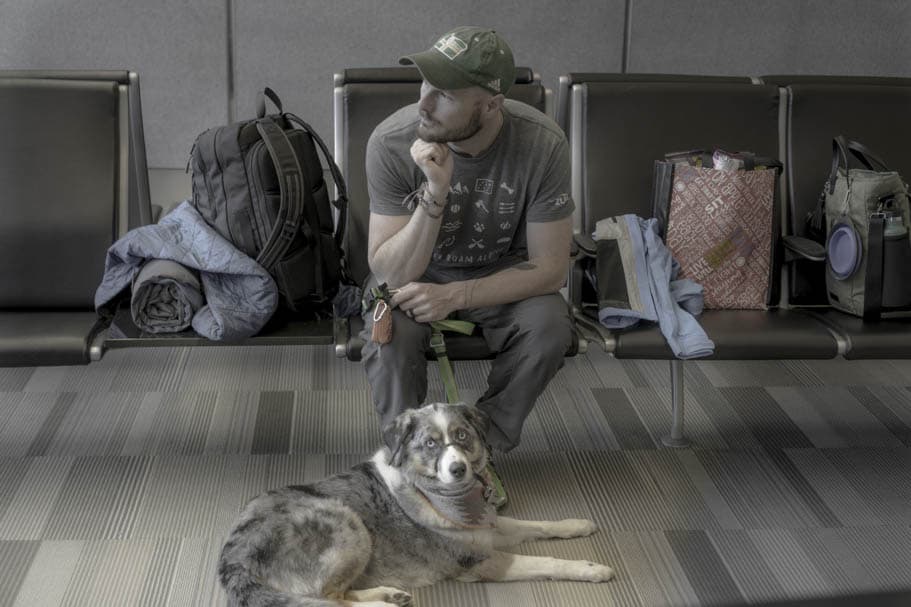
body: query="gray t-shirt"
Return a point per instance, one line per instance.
(523, 177)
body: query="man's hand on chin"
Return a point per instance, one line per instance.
(436, 162)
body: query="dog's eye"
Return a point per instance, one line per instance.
(461, 435)
(430, 443)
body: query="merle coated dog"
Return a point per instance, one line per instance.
(409, 517)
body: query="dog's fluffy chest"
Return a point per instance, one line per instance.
(409, 549)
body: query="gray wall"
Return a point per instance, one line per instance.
(201, 63)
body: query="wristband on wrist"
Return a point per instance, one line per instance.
(426, 196)
(427, 206)
(429, 203)
(422, 196)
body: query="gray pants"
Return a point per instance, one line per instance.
(531, 338)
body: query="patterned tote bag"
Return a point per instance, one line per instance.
(719, 223)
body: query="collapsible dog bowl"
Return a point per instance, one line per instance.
(844, 251)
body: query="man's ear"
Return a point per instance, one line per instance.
(396, 435)
(495, 103)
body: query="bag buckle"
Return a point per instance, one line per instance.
(289, 229)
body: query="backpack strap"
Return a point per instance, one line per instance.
(261, 102)
(291, 182)
(340, 203)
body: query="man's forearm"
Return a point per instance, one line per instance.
(527, 279)
(404, 257)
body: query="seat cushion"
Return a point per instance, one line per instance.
(741, 335)
(39, 338)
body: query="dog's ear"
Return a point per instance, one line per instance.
(477, 418)
(396, 435)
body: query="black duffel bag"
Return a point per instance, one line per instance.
(260, 184)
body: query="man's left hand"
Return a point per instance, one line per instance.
(427, 302)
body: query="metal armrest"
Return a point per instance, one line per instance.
(592, 330)
(583, 243)
(798, 248)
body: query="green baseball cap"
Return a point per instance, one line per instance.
(467, 56)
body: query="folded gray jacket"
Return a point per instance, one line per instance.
(240, 295)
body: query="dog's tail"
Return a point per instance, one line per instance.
(244, 591)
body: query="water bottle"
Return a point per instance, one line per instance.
(895, 227)
(896, 262)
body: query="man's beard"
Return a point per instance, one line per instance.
(467, 131)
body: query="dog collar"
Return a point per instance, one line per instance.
(468, 509)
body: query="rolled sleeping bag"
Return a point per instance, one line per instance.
(166, 296)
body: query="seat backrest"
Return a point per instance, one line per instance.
(140, 208)
(567, 81)
(64, 187)
(620, 128)
(363, 98)
(873, 111)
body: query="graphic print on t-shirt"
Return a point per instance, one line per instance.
(458, 188)
(479, 225)
(484, 186)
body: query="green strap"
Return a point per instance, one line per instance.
(439, 349)
(456, 326)
(436, 338)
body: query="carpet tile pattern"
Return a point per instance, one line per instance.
(119, 480)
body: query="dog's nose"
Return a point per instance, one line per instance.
(457, 469)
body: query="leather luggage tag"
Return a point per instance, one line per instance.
(382, 322)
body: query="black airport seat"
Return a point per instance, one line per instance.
(363, 98)
(618, 127)
(875, 112)
(69, 156)
(284, 328)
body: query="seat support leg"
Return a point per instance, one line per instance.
(676, 437)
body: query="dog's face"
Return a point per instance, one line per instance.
(440, 442)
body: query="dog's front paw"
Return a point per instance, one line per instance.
(574, 527)
(596, 572)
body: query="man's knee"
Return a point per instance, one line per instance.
(410, 339)
(545, 322)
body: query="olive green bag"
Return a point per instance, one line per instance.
(868, 251)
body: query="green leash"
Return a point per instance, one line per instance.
(439, 349)
(437, 342)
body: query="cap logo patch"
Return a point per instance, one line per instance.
(494, 84)
(451, 46)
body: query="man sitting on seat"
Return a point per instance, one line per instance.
(470, 218)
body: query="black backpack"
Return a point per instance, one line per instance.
(281, 218)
